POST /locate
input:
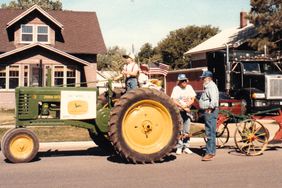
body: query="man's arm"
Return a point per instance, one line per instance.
(214, 97)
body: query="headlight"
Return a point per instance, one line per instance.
(258, 96)
(260, 103)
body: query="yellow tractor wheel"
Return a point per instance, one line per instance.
(20, 145)
(144, 125)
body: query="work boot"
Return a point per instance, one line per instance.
(208, 157)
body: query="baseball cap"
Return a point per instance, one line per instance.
(130, 55)
(206, 74)
(182, 77)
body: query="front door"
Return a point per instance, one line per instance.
(34, 75)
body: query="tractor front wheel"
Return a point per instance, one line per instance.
(20, 145)
(144, 125)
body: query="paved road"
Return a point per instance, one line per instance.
(84, 165)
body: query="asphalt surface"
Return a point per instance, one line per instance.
(82, 164)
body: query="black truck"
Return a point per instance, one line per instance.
(250, 76)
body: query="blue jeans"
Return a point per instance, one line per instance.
(131, 83)
(210, 127)
(184, 143)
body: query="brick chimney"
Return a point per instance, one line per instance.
(243, 19)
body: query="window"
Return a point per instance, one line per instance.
(13, 76)
(42, 33)
(65, 76)
(9, 77)
(70, 77)
(2, 77)
(34, 33)
(26, 78)
(27, 33)
(251, 67)
(59, 75)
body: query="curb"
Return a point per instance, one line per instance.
(66, 145)
(88, 144)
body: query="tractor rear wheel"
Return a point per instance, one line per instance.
(20, 145)
(101, 140)
(144, 125)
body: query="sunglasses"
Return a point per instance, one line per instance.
(182, 81)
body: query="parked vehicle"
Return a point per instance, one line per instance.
(226, 103)
(248, 76)
(142, 125)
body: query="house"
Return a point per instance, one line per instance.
(35, 42)
(213, 52)
(233, 38)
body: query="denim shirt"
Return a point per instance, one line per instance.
(210, 97)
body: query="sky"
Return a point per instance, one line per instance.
(131, 23)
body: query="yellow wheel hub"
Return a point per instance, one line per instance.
(21, 146)
(147, 127)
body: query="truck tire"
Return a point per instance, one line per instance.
(20, 145)
(144, 125)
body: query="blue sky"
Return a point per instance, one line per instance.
(134, 22)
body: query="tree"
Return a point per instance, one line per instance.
(25, 4)
(146, 53)
(266, 15)
(112, 60)
(179, 41)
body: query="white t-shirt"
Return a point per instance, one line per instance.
(143, 79)
(183, 94)
(131, 67)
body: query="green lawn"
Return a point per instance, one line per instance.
(57, 133)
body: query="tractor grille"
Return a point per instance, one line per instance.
(273, 87)
(23, 106)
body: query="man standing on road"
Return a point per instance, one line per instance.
(209, 104)
(183, 96)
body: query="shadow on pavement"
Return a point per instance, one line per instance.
(118, 159)
(198, 151)
(96, 151)
(93, 151)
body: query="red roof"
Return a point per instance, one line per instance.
(81, 31)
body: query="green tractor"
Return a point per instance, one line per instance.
(141, 125)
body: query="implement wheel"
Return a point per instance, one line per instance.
(251, 137)
(144, 125)
(20, 145)
(222, 135)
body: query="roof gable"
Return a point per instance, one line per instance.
(30, 10)
(42, 46)
(232, 37)
(81, 33)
